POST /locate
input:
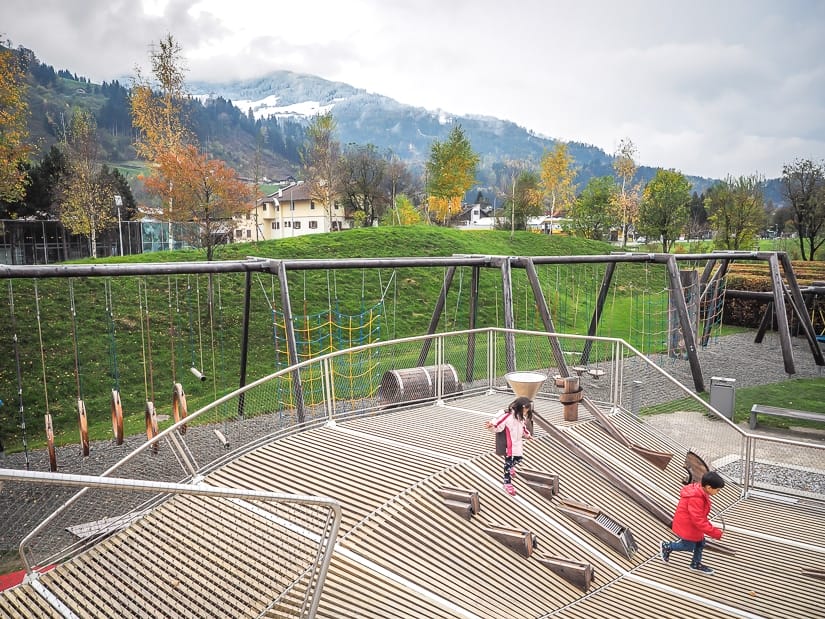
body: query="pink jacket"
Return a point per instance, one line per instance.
(690, 521)
(514, 430)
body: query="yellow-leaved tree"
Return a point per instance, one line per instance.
(628, 196)
(557, 174)
(451, 171)
(86, 195)
(158, 116)
(14, 148)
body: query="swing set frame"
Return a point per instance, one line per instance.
(717, 264)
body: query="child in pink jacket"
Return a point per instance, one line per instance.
(513, 423)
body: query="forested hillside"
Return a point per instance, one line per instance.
(241, 141)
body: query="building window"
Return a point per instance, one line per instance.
(249, 234)
(287, 224)
(247, 216)
(239, 234)
(296, 225)
(264, 205)
(313, 225)
(276, 225)
(277, 208)
(312, 205)
(336, 206)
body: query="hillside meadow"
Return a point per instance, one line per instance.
(82, 337)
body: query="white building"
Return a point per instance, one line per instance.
(287, 213)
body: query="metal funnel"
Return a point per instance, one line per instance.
(525, 384)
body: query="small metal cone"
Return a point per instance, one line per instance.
(525, 384)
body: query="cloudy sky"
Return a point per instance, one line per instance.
(708, 87)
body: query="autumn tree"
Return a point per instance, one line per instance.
(362, 177)
(507, 174)
(736, 211)
(397, 181)
(451, 171)
(404, 213)
(627, 198)
(664, 209)
(526, 200)
(803, 184)
(321, 160)
(159, 116)
(85, 204)
(14, 134)
(204, 190)
(557, 174)
(594, 214)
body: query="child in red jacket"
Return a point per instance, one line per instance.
(690, 522)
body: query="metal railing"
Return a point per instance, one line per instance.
(313, 569)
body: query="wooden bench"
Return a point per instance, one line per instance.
(761, 409)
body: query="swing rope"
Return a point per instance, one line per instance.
(146, 344)
(42, 350)
(19, 375)
(172, 334)
(74, 341)
(47, 417)
(110, 315)
(200, 330)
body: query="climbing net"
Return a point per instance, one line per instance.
(325, 332)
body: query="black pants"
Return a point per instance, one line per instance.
(509, 463)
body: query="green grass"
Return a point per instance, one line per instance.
(171, 316)
(807, 394)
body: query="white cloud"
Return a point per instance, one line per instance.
(710, 88)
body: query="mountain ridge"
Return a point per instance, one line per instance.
(407, 130)
(233, 132)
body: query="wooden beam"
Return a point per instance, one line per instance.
(781, 314)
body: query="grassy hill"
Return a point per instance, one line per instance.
(142, 334)
(171, 316)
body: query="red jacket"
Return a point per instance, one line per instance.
(690, 522)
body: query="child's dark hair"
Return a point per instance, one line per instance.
(713, 479)
(521, 405)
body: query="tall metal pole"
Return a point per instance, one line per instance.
(119, 203)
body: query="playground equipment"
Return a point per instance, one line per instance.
(689, 340)
(116, 407)
(82, 421)
(421, 383)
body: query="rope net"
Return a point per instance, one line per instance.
(322, 333)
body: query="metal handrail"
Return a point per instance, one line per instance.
(140, 485)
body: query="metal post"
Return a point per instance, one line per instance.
(635, 397)
(118, 204)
